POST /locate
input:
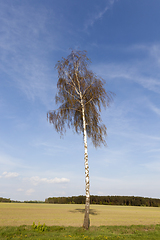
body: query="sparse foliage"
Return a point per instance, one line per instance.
(81, 94)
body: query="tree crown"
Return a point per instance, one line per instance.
(78, 87)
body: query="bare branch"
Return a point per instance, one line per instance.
(72, 82)
(70, 108)
(76, 70)
(72, 95)
(65, 109)
(78, 82)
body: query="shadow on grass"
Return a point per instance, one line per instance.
(91, 211)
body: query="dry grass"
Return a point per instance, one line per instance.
(16, 214)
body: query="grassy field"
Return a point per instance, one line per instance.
(94, 233)
(16, 214)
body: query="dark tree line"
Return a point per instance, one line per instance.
(102, 200)
(13, 201)
(107, 200)
(5, 199)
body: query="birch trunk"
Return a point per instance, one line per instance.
(86, 216)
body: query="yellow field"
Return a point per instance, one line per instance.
(15, 214)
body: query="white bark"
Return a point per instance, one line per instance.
(86, 217)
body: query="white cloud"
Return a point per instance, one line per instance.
(10, 174)
(36, 180)
(30, 191)
(20, 190)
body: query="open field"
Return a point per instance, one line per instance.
(16, 214)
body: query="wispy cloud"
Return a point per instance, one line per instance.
(144, 71)
(48, 148)
(7, 162)
(155, 52)
(36, 180)
(22, 56)
(98, 14)
(10, 174)
(153, 166)
(95, 17)
(154, 109)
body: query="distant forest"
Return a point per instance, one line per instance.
(8, 200)
(107, 200)
(5, 199)
(102, 200)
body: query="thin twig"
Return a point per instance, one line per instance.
(89, 101)
(88, 87)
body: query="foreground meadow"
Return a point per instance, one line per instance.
(151, 232)
(16, 214)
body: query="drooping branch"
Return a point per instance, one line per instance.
(87, 88)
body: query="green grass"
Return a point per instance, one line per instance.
(151, 232)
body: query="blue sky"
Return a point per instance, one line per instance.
(122, 39)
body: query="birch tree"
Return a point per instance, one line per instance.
(81, 94)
